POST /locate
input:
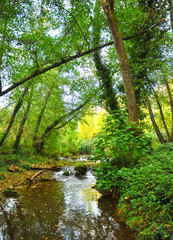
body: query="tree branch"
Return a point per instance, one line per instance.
(68, 59)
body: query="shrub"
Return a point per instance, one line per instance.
(107, 178)
(149, 188)
(119, 143)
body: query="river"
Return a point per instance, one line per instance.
(68, 208)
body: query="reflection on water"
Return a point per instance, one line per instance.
(68, 208)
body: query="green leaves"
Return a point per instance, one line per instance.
(119, 143)
(149, 188)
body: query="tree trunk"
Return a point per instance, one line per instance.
(158, 133)
(106, 84)
(162, 115)
(22, 124)
(108, 6)
(35, 138)
(171, 12)
(16, 109)
(103, 71)
(48, 130)
(171, 103)
(2, 52)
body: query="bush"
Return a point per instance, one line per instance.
(149, 189)
(107, 178)
(145, 191)
(119, 143)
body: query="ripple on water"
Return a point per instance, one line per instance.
(68, 208)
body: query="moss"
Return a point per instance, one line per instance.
(11, 193)
(2, 176)
(66, 173)
(25, 166)
(80, 169)
(46, 179)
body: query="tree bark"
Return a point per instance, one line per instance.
(16, 109)
(162, 115)
(22, 124)
(158, 133)
(103, 71)
(108, 6)
(35, 138)
(171, 103)
(35, 175)
(171, 12)
(48, 130)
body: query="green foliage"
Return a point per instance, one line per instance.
(145, 191)
(149, 189)
(119, 143)
(107, 178)
(25, 166)
(22, 159)
(2, 177)
(86, 146)
(66, 173)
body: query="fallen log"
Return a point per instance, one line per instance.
(35, 175)
(56, 169)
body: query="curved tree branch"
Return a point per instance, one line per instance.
(68, 59)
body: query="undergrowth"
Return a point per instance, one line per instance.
(145, 193)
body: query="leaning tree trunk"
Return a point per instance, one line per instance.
(48, 130)
(22, 124)
(162, 115)
(2, 47)
(156, 128)
(171, 12)
(108, 6)
(171, 103)
(16, 109)
(35, 138)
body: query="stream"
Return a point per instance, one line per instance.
(67, 208)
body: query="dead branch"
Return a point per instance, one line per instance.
(35, 175)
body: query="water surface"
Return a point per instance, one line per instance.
(68, 208)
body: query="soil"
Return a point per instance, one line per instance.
(16, 179)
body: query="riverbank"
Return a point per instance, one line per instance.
(145, 192)
(25, 166)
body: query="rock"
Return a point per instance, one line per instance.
(11, 193)
(66, 173)
(46, 179)
(81, 169)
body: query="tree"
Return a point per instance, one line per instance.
(35, 137)
(16, 109)
(61, 121)
(108, 6)
(23, 121)
(103, 71)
